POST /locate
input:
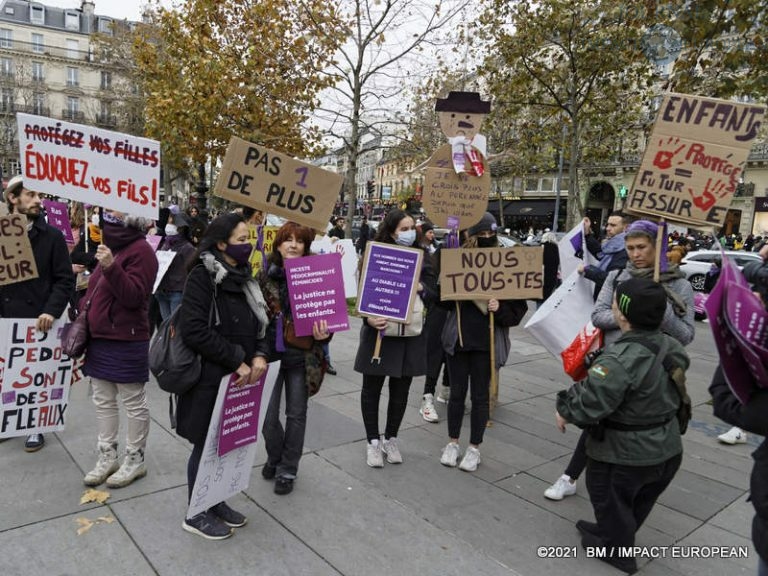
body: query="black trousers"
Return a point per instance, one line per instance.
(369, 404)
(623, 496)
(578, 460)
(469, 370)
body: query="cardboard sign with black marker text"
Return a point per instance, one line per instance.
(17, 262)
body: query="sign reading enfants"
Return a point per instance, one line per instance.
(694, 159)
(272, 182)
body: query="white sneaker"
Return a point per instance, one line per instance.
(427, 409)
(131, 469)
(375, 458)
(734, 436)
(450, 455)
(471, 460)
(392, 450)
(105, 466)
(563, 487)
(444, 394)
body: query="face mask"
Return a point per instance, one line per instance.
(406, 238)
(239, 252)
(491, 242)
(95, 219)
(171, 230)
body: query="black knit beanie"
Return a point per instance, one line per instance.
(642, 301)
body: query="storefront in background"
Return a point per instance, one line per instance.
(760, 223)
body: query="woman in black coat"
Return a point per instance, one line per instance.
(402, 358)
(749, 417)
(224, 319)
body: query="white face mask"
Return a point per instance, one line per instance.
(95, 219)
(171, 230)
(406, 238)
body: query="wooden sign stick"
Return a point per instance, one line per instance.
(494, 390)
(458, 323)
(376, 359)
(659, 242)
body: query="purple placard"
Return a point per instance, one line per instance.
(735, 368)
(389, 280)
(316, 292)
(154, 241)
(58, 218)
(240, 415)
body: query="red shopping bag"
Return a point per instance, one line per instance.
(589, 339)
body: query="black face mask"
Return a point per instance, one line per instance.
(491, 242)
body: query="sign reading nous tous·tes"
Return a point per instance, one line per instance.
(17, 262)
(694, 159)
(485, 273)
(389, 281)
(261, 178)
(316, 292)
(90, 165)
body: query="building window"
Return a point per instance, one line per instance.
(72, 21)
(6, 67)
(106, 80)
(38, 104)
(72, 76)
(37, 14)
(105, 26)
(73, 107)
(73, 48)
(6, 38)
(37, 43)
(6, 100)
(531, 184)
(37, 72)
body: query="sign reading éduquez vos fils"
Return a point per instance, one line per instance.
(261, 178)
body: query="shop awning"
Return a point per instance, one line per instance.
(527, 207)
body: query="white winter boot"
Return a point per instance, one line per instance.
(106, 465)
(131, 469)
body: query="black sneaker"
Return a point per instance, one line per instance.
(588, 527)
(283, 486)
(330, 370)
(34, 443)
(228, 515)
(207, 525)
(268, 472)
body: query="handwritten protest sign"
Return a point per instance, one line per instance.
(346, 249)
(316, 292)
(164, 260)
(239, 420)
(35, 376)
(694, 159)
(59, 219)
(90, 165)
(261, 178)
(447, 194)
(262, 238)
(389, 281)
(484, 273)
(18, 262)
(220, 477)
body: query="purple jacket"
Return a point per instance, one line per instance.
(119, 309)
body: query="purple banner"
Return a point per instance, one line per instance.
(316, 292)
(59, 218)
(239, 424)
(389, 280)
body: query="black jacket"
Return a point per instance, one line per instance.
(222, 348)
(51, 291)
(749, 417)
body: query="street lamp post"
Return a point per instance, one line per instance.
(201, 188)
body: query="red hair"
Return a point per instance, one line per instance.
(299, 232)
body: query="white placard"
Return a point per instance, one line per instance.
(349, 259)
(164, 260)
(90, 165)
(221, 477)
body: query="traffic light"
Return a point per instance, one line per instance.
(370, 187)
(622, 191)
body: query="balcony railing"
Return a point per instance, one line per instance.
(73, 115)
(106, 120)
(46, 50)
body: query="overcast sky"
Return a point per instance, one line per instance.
(119, 9)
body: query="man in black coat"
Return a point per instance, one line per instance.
(46, 296)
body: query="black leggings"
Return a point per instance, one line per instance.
(469, 370)
(369, 404)
(578, 460)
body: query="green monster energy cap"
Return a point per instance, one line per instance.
(642, 301)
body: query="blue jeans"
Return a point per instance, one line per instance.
(284, 445)
(168, 302)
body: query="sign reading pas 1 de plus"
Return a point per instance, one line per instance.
(261, 178)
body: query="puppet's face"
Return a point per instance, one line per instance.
(464, 124)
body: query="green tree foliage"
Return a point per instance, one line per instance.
(572, 63)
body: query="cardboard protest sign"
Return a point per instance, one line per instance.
(447, 194)
(164, 260)
(316, 292)
(262, 238)
(17, 262)
(389, 281)
(239, 419)
(349, 260)
(35, 376)
(694, 159)
(261, 178)
(90, 165)
(221, 477)
(59, 218)
(485, 273)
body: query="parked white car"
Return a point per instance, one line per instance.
(695, 265)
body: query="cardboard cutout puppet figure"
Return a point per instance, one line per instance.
(457, 180)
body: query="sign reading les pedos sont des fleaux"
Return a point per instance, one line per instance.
(261, 178)
(694, 159)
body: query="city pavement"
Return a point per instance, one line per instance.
(344, 518)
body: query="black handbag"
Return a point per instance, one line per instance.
(75, 335)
